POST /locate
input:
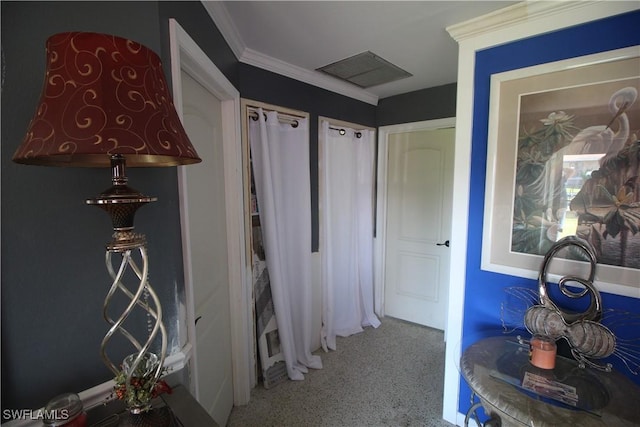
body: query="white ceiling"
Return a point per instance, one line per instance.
(294, 38)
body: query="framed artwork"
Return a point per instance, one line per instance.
(564, 159)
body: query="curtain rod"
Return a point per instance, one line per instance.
(282, 118)
(293, 121)
(342, 131)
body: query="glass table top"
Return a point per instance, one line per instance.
(498, 370)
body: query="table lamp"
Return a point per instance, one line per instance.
(105, 103)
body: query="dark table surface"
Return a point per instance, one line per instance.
(178, 409)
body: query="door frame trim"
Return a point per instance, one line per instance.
(380, 240)
(187, 55)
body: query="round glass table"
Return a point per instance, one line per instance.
(517, 393)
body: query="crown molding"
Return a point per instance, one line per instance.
(220, 16)
(315, 78)
(540, 11)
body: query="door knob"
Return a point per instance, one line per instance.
(443, 244)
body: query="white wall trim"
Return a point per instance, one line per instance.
(342, 123)
(460, 205)
(225, 24)
(530, 18)
(380, 242)
(520, 21)
(511, 16)
(185, 54)
(184, 215)
(315, 78)
(220, 16)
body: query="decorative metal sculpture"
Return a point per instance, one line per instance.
(587, 332)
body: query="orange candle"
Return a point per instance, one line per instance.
(543, 352)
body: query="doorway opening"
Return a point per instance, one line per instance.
(188, 59)
(415, 177)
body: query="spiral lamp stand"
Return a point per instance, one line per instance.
(121, 203)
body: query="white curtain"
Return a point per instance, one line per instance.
(347, 177)
(280, 155)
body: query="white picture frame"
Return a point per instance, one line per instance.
(509, 90)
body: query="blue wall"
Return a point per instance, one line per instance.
(485, 290)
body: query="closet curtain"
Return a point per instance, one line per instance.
(280, 158)
(346, 245)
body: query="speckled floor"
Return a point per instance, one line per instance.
(390, 376)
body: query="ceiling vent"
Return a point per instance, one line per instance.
(365, 69)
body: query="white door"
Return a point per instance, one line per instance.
(418, 225)
(206, 216)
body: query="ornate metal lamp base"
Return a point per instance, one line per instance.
(121, 203)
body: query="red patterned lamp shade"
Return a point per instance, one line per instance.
(104, 95)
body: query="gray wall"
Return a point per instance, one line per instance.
(53, 275)
(426, 104)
